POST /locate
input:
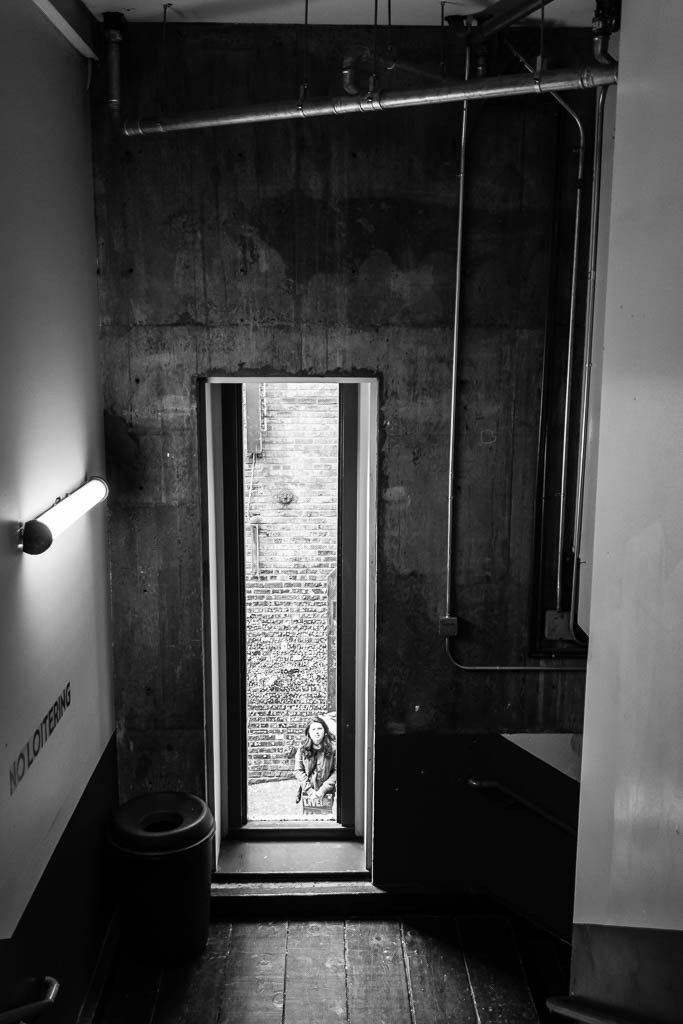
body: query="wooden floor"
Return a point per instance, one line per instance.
(416, 970)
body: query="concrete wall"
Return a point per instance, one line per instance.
(291, 489)
(54, 608)
(327, 247)
(629, 882)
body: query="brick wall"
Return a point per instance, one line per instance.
(290, 500)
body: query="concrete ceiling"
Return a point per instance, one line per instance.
(326, 12)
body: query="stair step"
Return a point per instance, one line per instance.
(232, 900)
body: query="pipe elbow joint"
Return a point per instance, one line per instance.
(132, 127)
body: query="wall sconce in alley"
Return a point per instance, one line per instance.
(37, 534)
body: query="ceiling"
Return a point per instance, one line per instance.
(325, 12)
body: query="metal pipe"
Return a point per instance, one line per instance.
(559, 579)
(456, 335)
(510, 85)
(456, 330)
(502, 14)
(113, 36)
(587, 353)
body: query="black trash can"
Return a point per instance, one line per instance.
(162, 844)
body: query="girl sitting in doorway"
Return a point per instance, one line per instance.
(315, 765)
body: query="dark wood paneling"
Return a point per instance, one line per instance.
(63, 927)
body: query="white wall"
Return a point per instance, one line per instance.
(630, 850)
(561, 750)
(53, 607)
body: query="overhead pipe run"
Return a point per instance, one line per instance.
(598, 76)
(507, 85)
(592, 77)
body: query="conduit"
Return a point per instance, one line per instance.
(564, 462)
(587, 356)
(448, 624)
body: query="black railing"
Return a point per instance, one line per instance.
(500, 787)
(588, 1012)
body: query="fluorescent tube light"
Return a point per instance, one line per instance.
(38, 534)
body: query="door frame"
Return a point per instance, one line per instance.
(220, 619)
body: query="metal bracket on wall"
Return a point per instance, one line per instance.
(448, 625)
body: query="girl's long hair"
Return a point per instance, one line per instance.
(327, 744)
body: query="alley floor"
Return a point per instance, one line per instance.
(418, 970)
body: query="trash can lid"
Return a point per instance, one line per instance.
(161, 822)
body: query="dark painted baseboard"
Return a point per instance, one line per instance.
(63, 927)
(634, 971)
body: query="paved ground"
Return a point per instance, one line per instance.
(274, 801)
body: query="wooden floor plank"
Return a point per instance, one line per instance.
(419, 970)
(437, 972)
(376, 973)
(192, 993)
(315, 983)
(499, 987)
(131, 992)
(255, 974)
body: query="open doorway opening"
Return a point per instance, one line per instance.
(290, 516)
(291, 483)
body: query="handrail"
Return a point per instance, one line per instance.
(21, 1010)
(588, 1012)
(502, 788)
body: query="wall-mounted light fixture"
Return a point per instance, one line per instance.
(37, 534)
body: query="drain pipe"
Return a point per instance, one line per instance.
(113, 35)
(571, 345)
(448, 624)
(588, 354)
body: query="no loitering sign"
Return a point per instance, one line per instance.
(33, 746)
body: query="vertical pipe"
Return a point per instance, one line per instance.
(515, 669)
(588, 353)
(113, 36)
(456, 336)
(559, 579)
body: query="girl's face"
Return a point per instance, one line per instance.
(316, 732)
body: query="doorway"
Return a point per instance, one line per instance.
(290, 520)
